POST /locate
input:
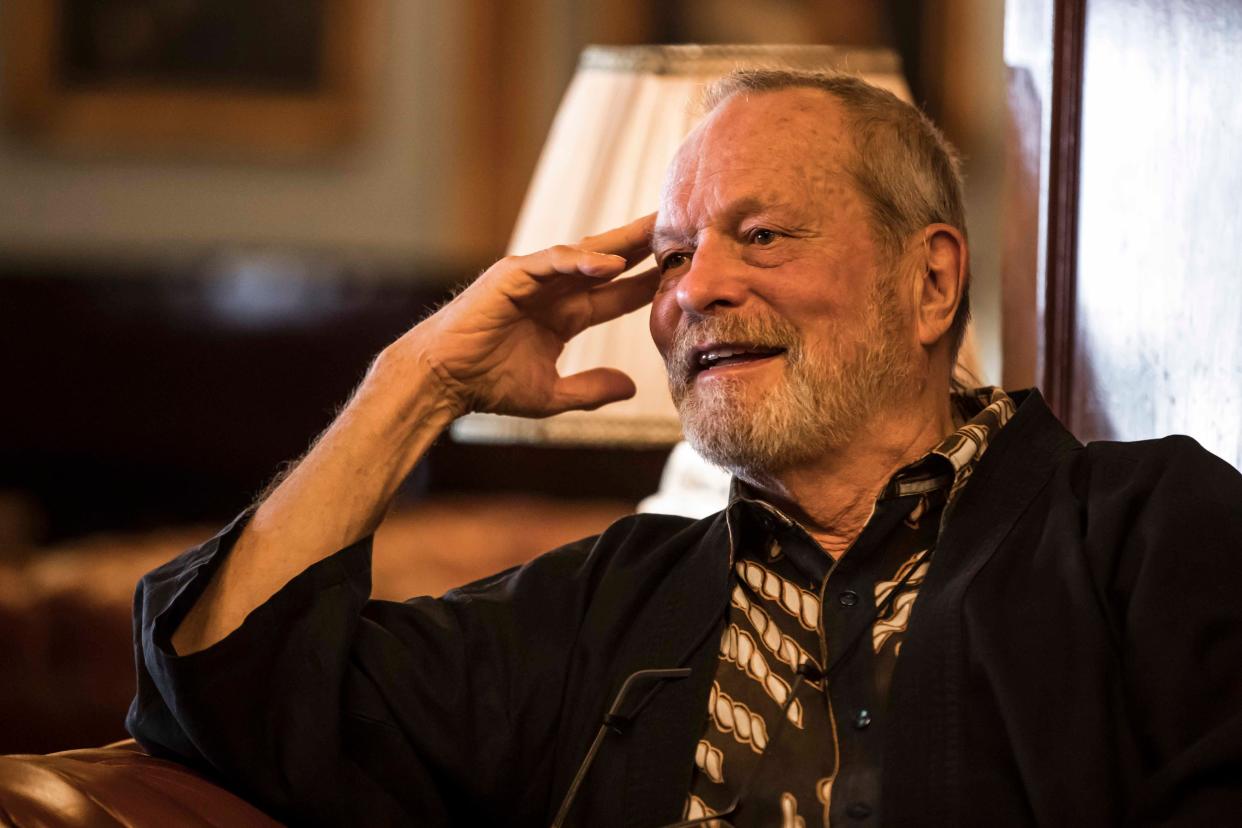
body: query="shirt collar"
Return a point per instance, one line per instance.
(948, 464)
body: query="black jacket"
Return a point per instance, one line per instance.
(1074, 658)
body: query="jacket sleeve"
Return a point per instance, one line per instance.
(1173, 513)
(327, 708)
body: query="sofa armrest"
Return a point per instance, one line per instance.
(118, 785)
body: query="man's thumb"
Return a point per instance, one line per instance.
(590, 389)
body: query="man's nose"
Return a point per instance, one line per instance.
(714, 279)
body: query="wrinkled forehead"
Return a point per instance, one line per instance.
(792, 143)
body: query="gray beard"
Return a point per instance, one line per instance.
(818, 407)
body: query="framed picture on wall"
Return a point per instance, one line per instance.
(276, 78)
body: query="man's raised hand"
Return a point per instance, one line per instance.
(494, 347)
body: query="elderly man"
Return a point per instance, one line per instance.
(920, 607)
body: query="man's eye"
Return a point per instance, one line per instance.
(762, 236)
(673, 261)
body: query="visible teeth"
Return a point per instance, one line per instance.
(708, 358)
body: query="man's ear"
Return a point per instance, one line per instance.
(944, 263)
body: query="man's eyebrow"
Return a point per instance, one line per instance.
(664, 237)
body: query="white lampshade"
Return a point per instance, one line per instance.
(625, 114)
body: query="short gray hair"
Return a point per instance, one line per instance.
(903, 165)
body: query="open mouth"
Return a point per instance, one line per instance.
(719, 356)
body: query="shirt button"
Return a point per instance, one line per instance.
(848, 598)
(858, 810)
(862, 718)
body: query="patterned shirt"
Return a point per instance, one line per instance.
(792, 603)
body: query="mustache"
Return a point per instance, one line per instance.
(762, 331)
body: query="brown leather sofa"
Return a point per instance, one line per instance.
(117, 785)
(66, 672)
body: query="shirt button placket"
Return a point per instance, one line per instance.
(858, 810)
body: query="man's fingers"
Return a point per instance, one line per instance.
(565, 259)
(603, 257)
(590, 389)
(622, 296)
(632, 241)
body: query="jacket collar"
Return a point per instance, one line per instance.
(921, 774)
(666, 607)
(688, 620)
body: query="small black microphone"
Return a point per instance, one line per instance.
(809, 671)
(616, 720)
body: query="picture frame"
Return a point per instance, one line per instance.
(280, 79)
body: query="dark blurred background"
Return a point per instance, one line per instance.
(213, 213)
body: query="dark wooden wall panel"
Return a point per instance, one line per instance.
(1064, 150)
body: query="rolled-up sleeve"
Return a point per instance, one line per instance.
(324, 707)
